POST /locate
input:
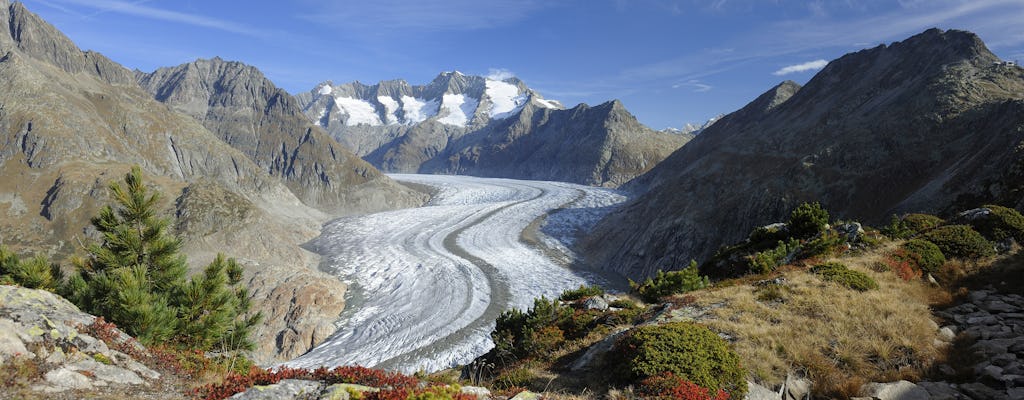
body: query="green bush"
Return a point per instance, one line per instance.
(768, 233)
(838, 273)
(807, 220)
(825, 244)
(581, 293)
(687, 350)
(1001, 224)
(923, 254)
(519, 335)
(910, 225)
(960, 241)
(669, 283)
(766, 261)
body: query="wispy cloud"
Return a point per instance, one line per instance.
(139, 10)
(499, 74)
(403, 15)
(696, 86)
(804, 67)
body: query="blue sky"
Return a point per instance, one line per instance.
(670, 61)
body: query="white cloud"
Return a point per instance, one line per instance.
(807, 66)
(136, 9)
(499, 74)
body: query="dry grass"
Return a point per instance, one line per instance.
(839, 337)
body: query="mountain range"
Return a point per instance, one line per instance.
(72, 121)
(486, 126)
(934, 123)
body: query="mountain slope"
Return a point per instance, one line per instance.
(73, 121)
(462, 124)
(239, 104)
(927, 124)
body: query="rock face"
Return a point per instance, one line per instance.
(460, 124)
(239, 104)
(45, 330)
(933, 123)
(73, 121)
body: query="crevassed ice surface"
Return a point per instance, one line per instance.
(430, 281)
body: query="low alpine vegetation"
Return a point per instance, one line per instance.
(670, 283)
(690, 352)
(839, 273)
(960, 241)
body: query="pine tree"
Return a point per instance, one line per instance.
(34, 273)
(135, 277)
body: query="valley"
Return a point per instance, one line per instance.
(429, 282)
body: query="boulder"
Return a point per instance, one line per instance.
(63, 379)
(595, 303)
(527, 395)
(796, 388)
(476, 391)
(758, 392)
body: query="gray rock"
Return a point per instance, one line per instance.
(851, 230)
(526, 395)
(340, 391)
(758, 392)
(108, 373)
(286, 389)
(902, 390)
(939, 390)
(1015, 393)
(10, 343)
(998, 306)
(476, 391)
(141, 369)
(595, 303)
(977, 296)
(90, 344)
(979, 391)
(796, 388)
(596, 350)
(946, 334)
(66, 379)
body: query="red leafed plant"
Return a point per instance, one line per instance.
(236, 383)
(901, 264)
(669, 386)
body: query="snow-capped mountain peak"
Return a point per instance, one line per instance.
(452, 99)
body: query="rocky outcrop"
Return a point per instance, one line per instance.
(240, 105)
(461, 124)
(49, 333)
(992, 326)
(928, 124)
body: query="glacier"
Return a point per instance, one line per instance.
(426, 284)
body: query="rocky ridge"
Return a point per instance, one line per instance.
(247, 111)
(462, 124)
(918, 125)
